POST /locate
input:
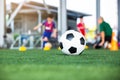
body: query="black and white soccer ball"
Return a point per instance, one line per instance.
(72, 42)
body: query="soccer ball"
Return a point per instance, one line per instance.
(72, 43)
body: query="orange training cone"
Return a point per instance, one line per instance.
(114, 43)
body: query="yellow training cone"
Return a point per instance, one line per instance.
(59, 48)
(114, 43)
(86, 47)
(22, 48)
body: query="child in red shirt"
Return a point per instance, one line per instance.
(81, 26)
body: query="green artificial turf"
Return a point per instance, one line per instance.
(54, 65)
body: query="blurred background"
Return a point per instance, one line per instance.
(22, 15)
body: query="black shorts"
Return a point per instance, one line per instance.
(107, 39)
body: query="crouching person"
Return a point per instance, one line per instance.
(105, 34)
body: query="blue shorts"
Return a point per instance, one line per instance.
(47, 34)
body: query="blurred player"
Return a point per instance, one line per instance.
(105, 34)
(8, 37)
(81, 26)
(50, 29)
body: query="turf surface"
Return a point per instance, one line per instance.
(53, 65)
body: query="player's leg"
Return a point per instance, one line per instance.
(45, 40)
(46, 37)
(107, 41)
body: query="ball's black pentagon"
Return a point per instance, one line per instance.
(70, 36)
(82, 41)
(61, 45)
(73, 50)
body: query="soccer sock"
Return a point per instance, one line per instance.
(44, 42)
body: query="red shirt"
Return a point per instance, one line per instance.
(81, 28)
(49, 26)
